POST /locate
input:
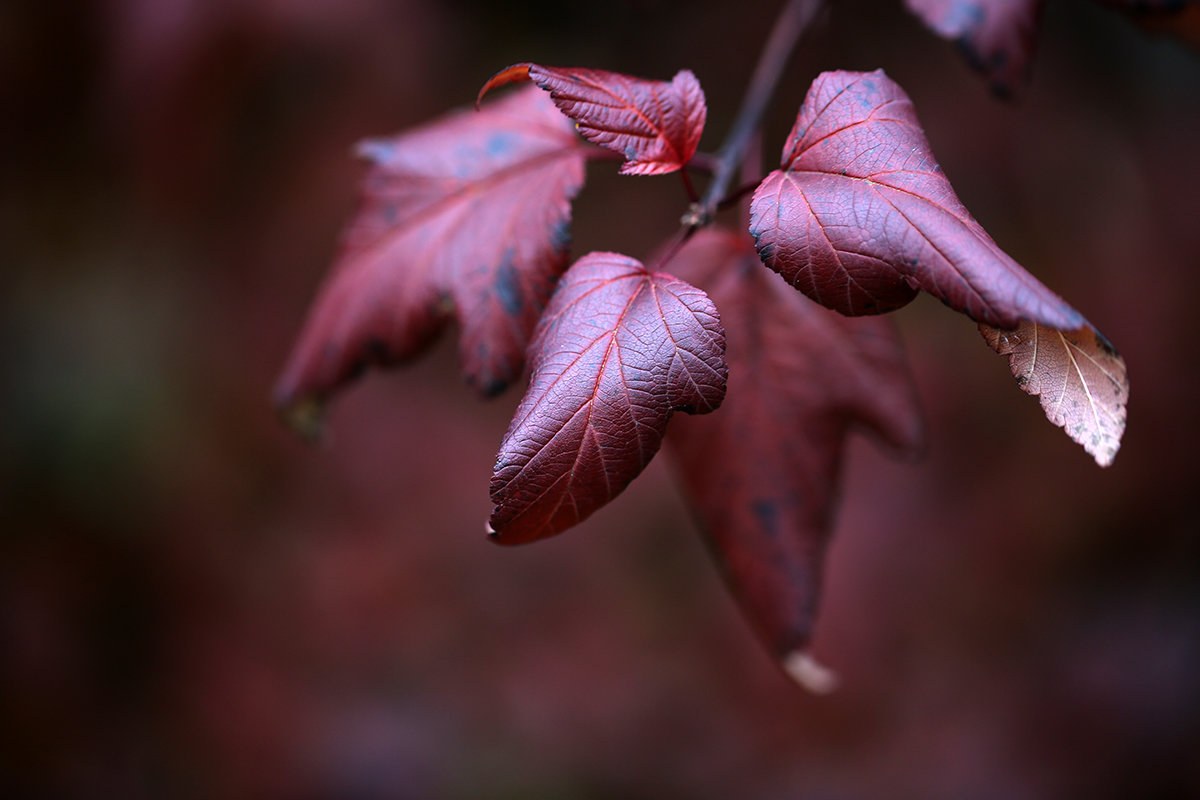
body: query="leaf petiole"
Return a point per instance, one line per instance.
(688, 187)
(793, 20)
(737, 194)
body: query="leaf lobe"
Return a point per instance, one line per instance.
(460, 220)
(763, 472)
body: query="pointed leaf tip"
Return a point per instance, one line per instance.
(1077, 375)
(305, 416)
(517, 73)
(814, 676)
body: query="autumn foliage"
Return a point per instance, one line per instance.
(466, 220)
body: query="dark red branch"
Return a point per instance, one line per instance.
(793, 20)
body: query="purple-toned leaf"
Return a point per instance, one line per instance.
(997, 37)
(655, 125)
(763, 473)
(618, 350)
(463, 219)
(860, 217)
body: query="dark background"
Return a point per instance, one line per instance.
(194, 604)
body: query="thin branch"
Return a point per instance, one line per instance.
(676, 244)
(793, 20)
(692, 194)
(751, 175)
(737, 194)
(704, 162)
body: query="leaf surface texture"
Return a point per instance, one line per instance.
(619, 349)
(655, 125)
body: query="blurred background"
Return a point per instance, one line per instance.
(195, 604)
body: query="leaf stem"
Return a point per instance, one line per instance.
(737, 194)
(793, 20)
(688, 187)
(705, 162)
(674, 246)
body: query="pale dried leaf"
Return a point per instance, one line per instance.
(1078, 376)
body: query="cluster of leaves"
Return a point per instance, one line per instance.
(467, 220)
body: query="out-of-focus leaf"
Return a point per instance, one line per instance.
(997, 37)
(655, 125)
(618, 350)
(763, 472)
(466, 218)
(860, 217)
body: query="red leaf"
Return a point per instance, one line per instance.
(656, 125)
(763, 473)
(617, 351)
(997, 37)
(465, 218)
(861, 217)
(1079, 377)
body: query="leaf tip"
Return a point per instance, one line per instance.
(1105, 457)
(516, 73)
(510, 536)
(685, 81)
(489, 384)
(304, 415)
(1077, 375)
(377, 151)
(802, 667)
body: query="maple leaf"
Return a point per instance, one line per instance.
(655, 125)
(860, 217)
(763, 473)
(465, 218)
(617, 351)
(997, 37)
